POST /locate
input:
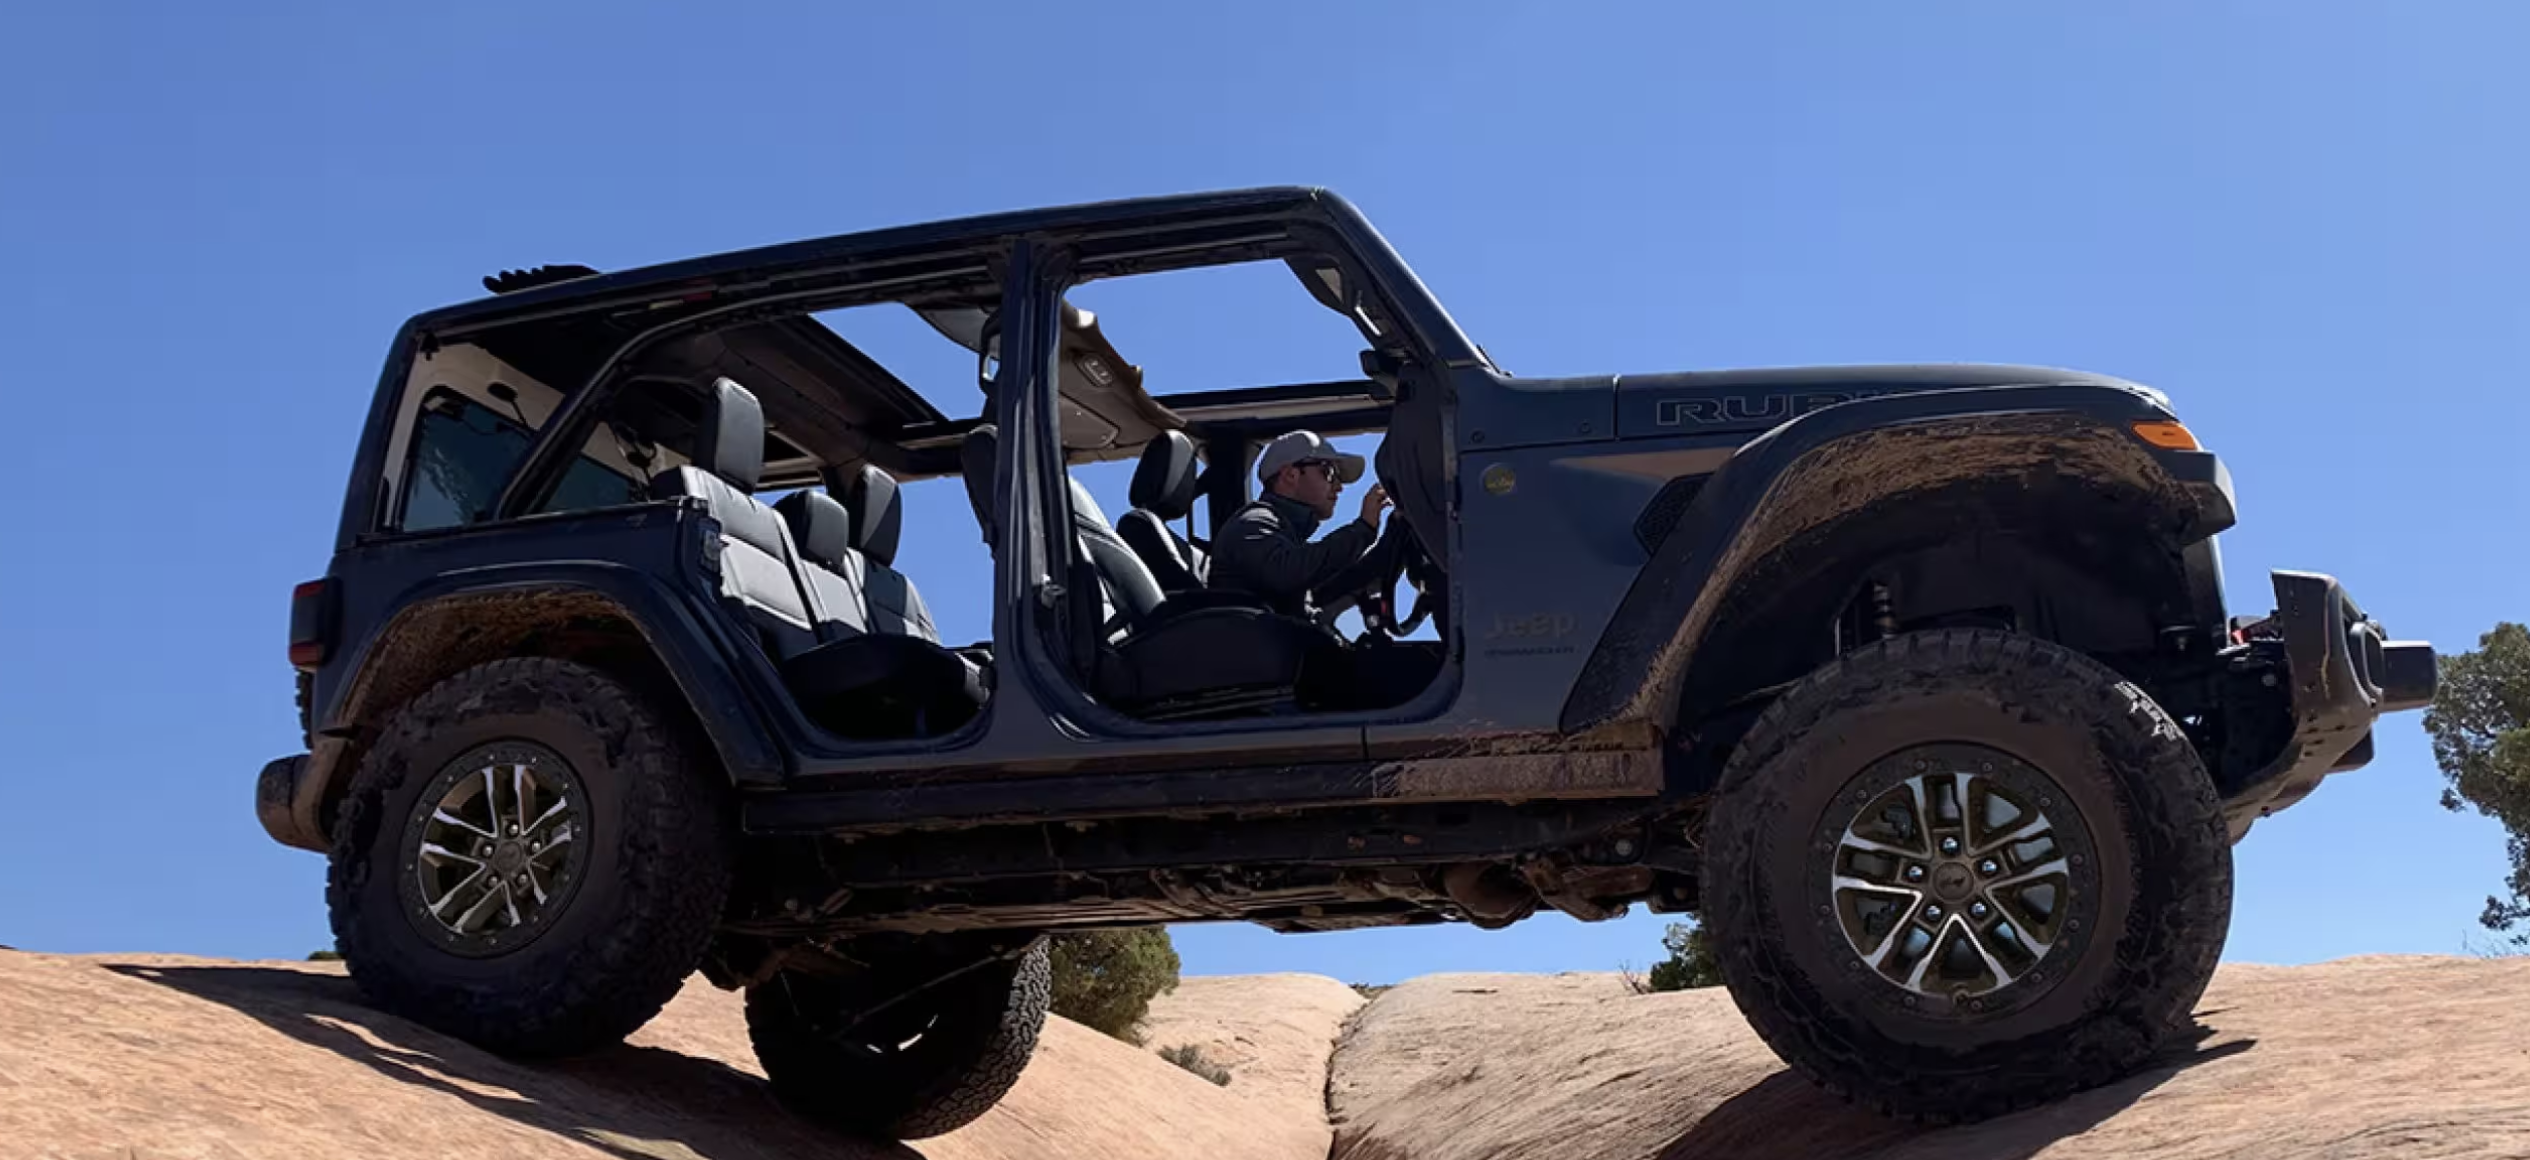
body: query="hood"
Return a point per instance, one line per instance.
(1719, 402)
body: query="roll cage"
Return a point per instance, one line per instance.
(590, 333)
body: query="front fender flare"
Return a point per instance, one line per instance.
(1803, 475)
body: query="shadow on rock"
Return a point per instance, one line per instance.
(639, 1103)
(1787, 1116)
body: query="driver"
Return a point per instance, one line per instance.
(1265, 549)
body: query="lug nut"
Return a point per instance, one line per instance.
(1950, 845)
(1989, 867)
(1933, 912)
(513, 829)
(1976, 910)
(1914, 873)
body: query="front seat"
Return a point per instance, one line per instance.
(977, 455)
(1164, 490)
(1187, 654)
(1164, 656)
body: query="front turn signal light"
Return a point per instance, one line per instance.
(2167, 434)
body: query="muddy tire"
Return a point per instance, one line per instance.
(929, 1064)
(530, 859)
(1962, 872)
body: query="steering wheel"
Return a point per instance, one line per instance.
(1431, 585)
(1370, 585)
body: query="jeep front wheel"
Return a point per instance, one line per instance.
(1957, 873)
(528, 860)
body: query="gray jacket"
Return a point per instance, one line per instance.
(1265, 551)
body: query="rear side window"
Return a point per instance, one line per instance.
(463, 452)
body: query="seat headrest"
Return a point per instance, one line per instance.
(1164, 482)
(820, 527)
(730, 443)
(877, 519)
(1085, 509)
(976, 457)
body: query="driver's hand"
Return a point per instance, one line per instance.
(1374, 502)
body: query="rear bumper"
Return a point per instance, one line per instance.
(284, 803)
(2341, 672)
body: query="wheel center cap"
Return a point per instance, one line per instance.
(1953, 881)
(508, 858)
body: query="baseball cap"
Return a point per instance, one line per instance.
(1300, 447)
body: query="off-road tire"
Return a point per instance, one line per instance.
(655, 875)
(2163, 875)
(987, 1025)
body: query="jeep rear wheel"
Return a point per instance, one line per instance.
(1961, 872)
(528, 860)
(920, 1042)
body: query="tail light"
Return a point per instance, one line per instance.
(312, 623)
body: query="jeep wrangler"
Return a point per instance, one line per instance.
(1916, 683)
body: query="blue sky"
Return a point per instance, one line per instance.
(2302, 221)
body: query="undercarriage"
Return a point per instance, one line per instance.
(1298, 871)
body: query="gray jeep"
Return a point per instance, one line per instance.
(1916, 683)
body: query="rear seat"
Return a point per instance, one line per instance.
(877, 523)
(793, 572)
(881, 672)
(822, 529)
(759, 564)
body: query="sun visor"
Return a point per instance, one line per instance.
(1106, 413)
(1107, 390)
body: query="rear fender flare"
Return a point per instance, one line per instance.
(1787, 489)
(452, 622)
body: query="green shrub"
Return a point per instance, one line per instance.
(1106, 979)
(2480, 725)
(1191, 1057)
(1690, 964)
